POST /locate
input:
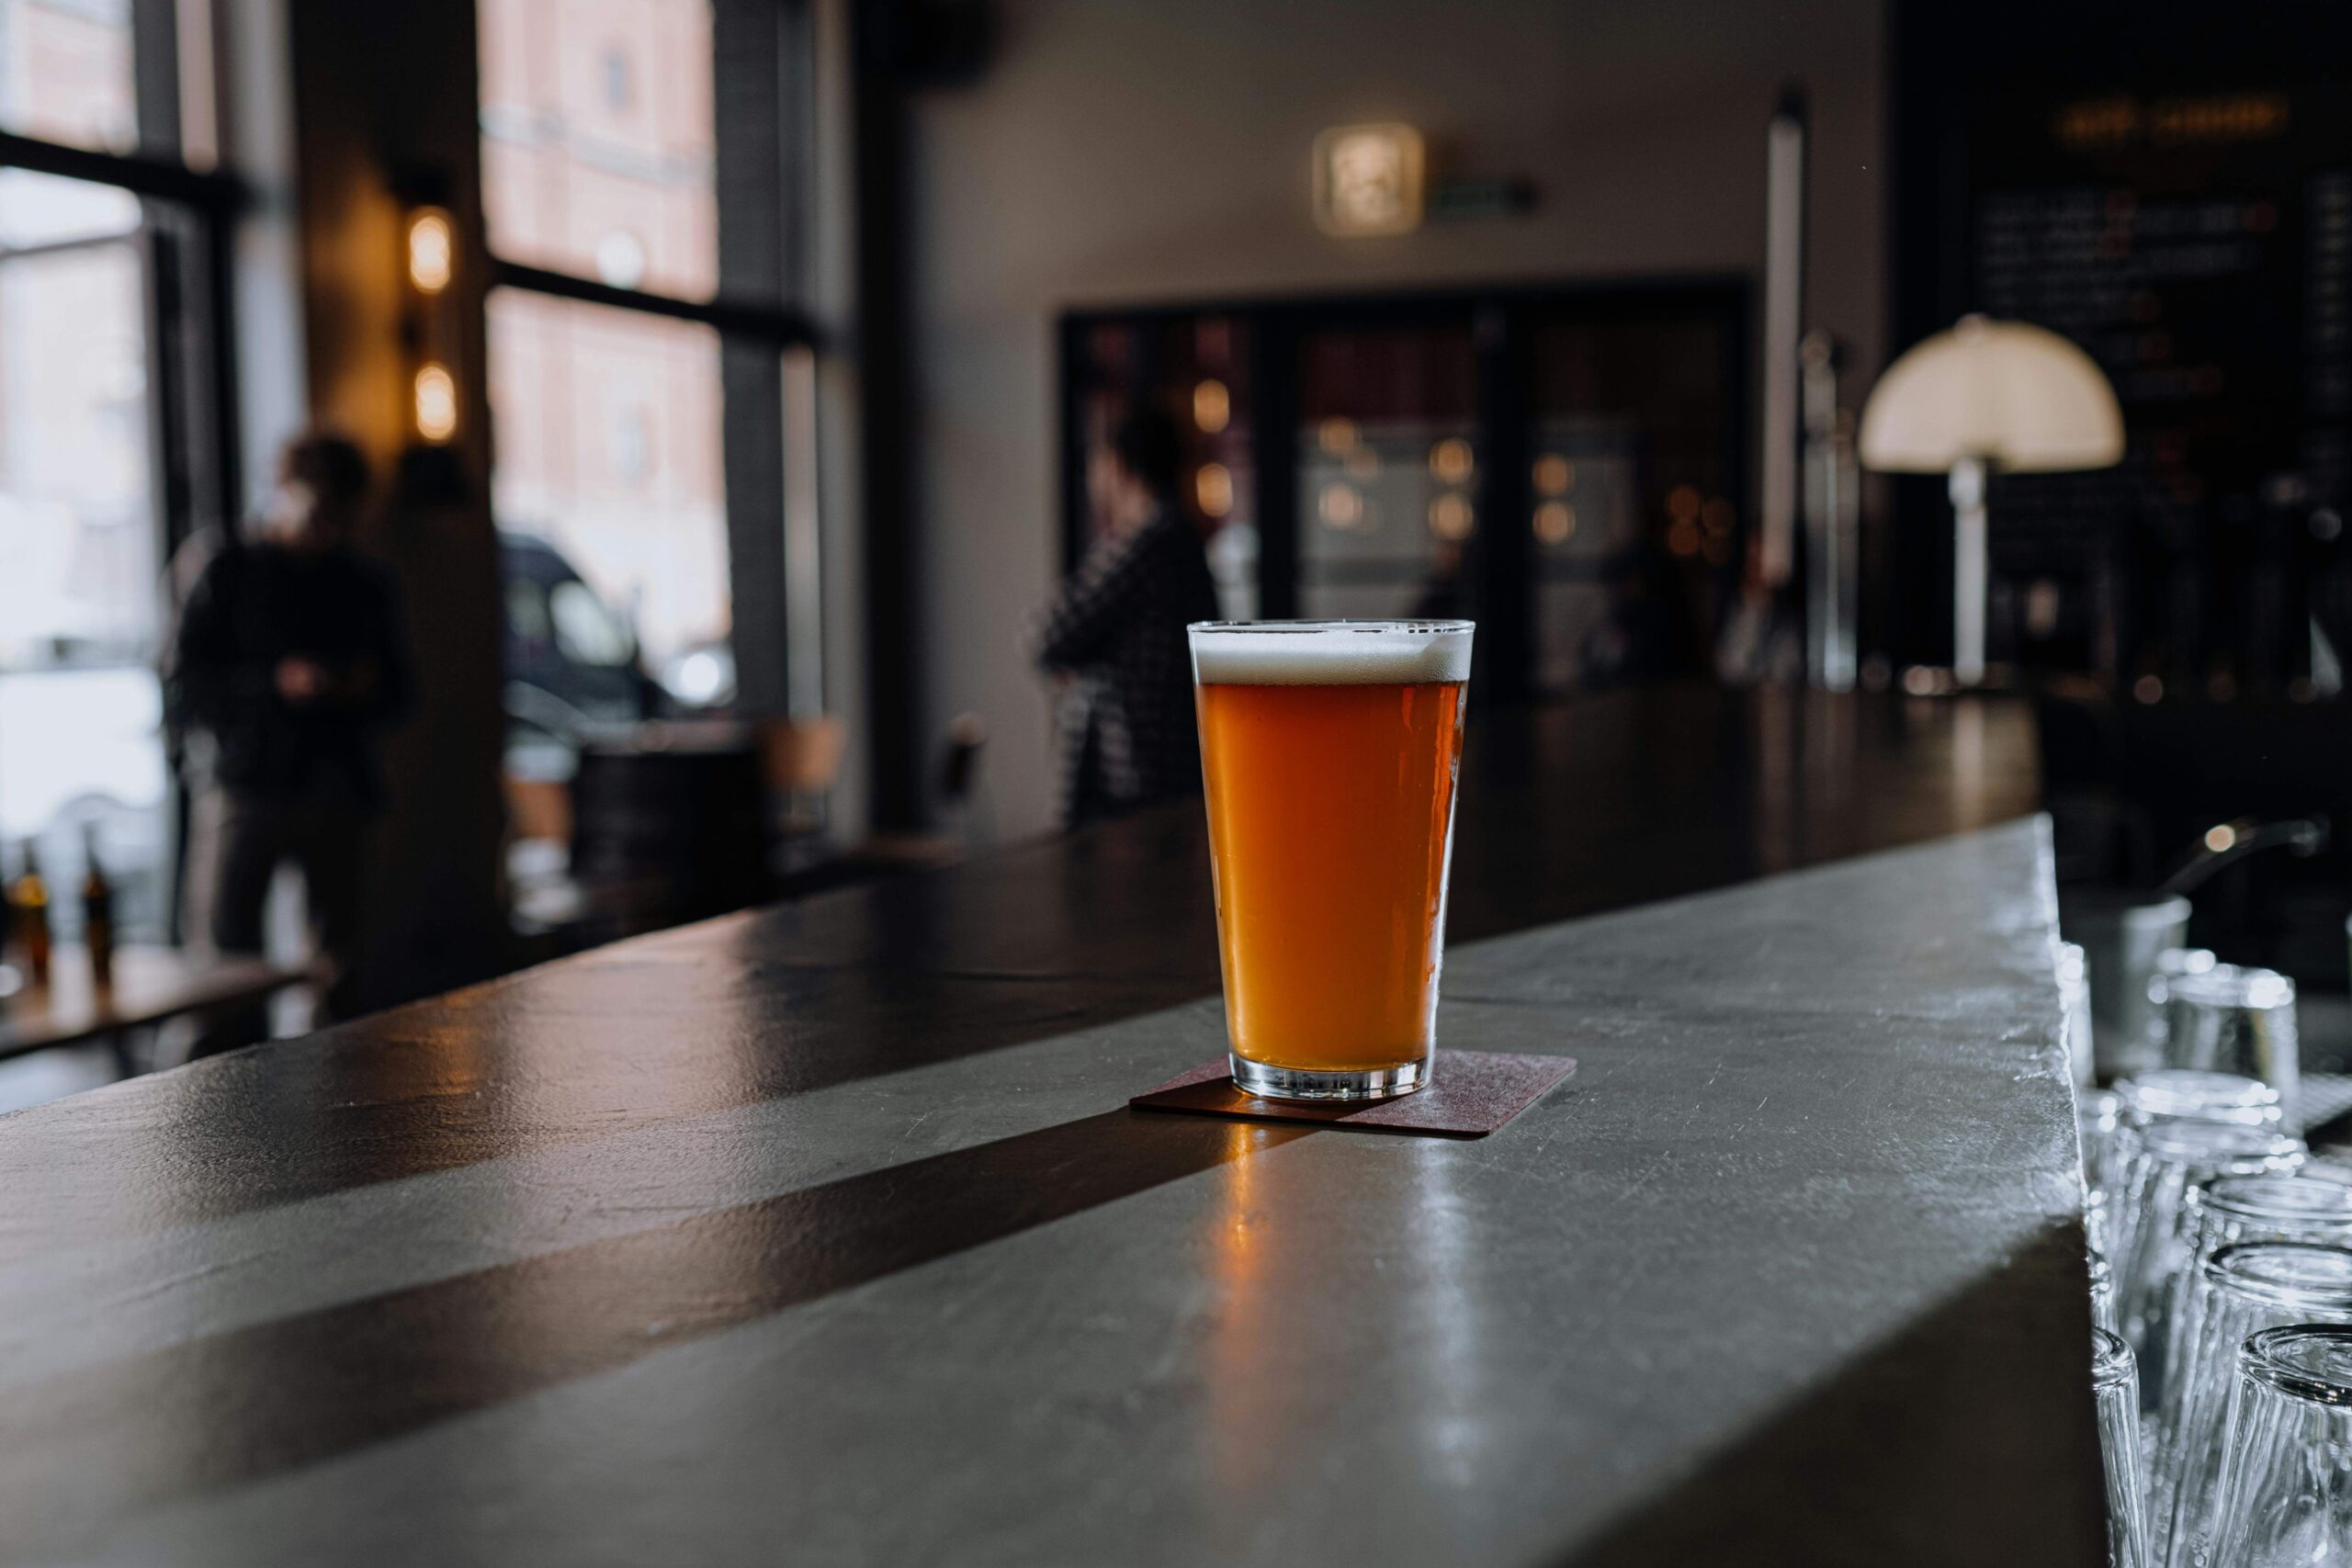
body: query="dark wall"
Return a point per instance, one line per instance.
(2153, 181)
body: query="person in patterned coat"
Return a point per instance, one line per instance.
(1113, 641)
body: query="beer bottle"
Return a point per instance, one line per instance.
(29, 916)
(98, 911)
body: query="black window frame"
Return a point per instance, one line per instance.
(187, 232)
(187, 223)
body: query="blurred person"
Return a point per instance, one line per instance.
(1113, 640)
(287, 660)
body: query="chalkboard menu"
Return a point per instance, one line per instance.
(2198, 246)
(2170, 186)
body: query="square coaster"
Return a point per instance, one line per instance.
(1473, 1092)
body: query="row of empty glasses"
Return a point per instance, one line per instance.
(2222, 1291)
(2220, 1270)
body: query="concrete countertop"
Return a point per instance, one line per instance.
(823, 1235)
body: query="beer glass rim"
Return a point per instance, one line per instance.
(2218, 1143)
(2111, 1359)
(2199, 1088)
(1433, 627)
(2277, 1196)
(2269, 1357)
(2301, 1275)
(2234, 986)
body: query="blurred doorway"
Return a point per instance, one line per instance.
(1567, 465)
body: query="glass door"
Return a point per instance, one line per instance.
(1199, 369)
(1566, 465)
(1634, 488)
(1387, 471)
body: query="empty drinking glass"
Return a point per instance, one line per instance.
(2232, 1212)
(2261, 1285)
(2123, 932)
(2232, 1019)
(2177, 961)
(2160, 1165)
(2099, 1115)
(2165, 1095)
(2285, 1492)
(2074, 996)
(2102, 1292)
(2192, 1094)
(2116, 1387)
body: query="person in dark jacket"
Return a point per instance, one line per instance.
(1113, 640)
(287, 660)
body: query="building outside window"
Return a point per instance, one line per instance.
(65, 73)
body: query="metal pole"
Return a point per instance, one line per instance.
(1969, 570)
(1784, 170)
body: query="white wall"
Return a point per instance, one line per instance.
(1129, 151)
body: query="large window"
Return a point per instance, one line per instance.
(111, 420)
(609, 449)
(630, 340)
(66, 74)
(598, 154)
(80, 739)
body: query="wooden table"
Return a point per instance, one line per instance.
(152, 985)
(823, 1234)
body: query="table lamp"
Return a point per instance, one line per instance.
(1982, 395)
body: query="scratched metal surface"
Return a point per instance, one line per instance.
(823, 1234)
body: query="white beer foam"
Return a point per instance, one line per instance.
(1330, 653)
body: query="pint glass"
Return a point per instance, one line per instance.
(1330, 750)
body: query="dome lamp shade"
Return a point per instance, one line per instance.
(1987, 395)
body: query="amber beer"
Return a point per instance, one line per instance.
(1330, 750)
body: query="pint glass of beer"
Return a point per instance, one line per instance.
(1330, 750)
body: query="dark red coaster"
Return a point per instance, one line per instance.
(1473, 1093)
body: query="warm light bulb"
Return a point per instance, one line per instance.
(1451, 460)
(436, 403)
(1451, 517)
(1341, 506)
(1212, 406)
(1213, 488)
(432, 253)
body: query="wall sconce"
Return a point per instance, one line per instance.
(436, 403)
(432, 250)
(1369, 180)
(432, 347)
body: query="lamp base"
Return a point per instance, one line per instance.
(1939, 681)
(1970, 572)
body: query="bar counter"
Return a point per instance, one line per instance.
(823, 1234)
